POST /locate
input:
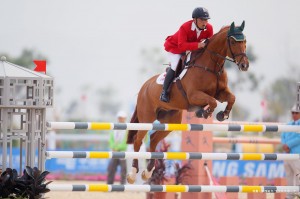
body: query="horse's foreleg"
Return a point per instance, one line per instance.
(154, 140)
(225, 96)
(200, 99)
(135, 163)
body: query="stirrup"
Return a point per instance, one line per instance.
(164, 97)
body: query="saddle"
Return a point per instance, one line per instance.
(180, 66)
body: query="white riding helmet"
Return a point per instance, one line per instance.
(294, 109)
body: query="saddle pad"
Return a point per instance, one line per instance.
(161, 78)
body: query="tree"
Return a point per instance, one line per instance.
(281, 95)
(246, 81)
(26, 58)
(242, 81)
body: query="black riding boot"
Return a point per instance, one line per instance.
(168, 80)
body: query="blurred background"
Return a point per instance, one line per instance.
(101, 52)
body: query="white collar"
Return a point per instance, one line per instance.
(194, 27)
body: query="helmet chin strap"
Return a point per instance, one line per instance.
(198, 26)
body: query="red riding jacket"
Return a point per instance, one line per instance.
(186, 38)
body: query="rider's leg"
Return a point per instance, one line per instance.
(174, 59)
(168, 80)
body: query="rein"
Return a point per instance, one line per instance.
(205, 68)
(233, 59)
(221, 67)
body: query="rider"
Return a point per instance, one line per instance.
(189, 37)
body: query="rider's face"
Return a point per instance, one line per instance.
(295, 116)
(201, 23)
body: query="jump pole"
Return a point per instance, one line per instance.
(171, 188)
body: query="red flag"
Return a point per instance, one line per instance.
(40, 66)
(264, 107)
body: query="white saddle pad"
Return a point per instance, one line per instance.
(161, 78)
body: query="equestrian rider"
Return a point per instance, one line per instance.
(189, 37)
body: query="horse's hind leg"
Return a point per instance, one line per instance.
(225, 96)
(154, 140)
(131, 177)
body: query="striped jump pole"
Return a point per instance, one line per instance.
(246, 140)
(173, 127)
(172, 188)
(171, 155)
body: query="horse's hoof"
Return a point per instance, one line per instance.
(130, 179)
(144, 177)
(226, 116)
(199, 113)
(220, 116)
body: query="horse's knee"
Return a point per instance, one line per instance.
(215, 103)
(212, 104)
(231, 99)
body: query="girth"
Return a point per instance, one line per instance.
(217, 74)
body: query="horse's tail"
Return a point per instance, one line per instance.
(132, 133)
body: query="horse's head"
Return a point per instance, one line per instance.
(237, 46)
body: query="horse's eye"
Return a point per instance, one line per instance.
(232, 42)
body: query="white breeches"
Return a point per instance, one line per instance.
(173, 60)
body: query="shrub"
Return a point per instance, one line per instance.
(30, 185)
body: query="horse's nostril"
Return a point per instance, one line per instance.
(244, 66)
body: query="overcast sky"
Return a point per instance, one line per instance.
(97, 43)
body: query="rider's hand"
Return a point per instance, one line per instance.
(201, 45)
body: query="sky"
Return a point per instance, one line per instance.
(96, 43)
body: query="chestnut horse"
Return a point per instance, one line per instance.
(205, 82)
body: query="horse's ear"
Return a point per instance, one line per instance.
(232, 26)
(242, 26)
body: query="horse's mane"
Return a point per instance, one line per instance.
(221, 31)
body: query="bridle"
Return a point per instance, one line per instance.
(219, 72)
(233, 56)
